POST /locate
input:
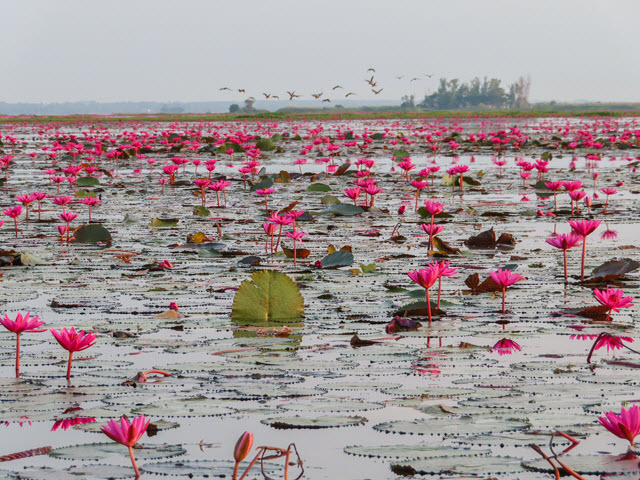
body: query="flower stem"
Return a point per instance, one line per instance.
(565, 265)
(133, 462)
(18, 356)
(504, 293)
(428, 306)
(69, 365)
(584, 249)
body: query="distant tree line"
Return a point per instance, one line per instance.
(485, 93)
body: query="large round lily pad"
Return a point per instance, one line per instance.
(268, 296)
(330, 421)
(97, 451)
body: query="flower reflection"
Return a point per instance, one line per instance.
(70, 422)
(506, 347)
(609, 235)
(609, 341)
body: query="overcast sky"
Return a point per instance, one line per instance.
(120, 50)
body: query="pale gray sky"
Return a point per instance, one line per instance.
(118, 50)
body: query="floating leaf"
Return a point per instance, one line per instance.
(330, 421)
(300, 253)
(337, 259)
(612, 270)
(406, 452)
(368, 268)
(443, 247)
(201, 210)
(330, 200)
(92, 233)
(97, 451)
(87, 181)
(29, 259)
(343, 209)
(268, 296)
(318, 187)
(164, 222)
(399, 154)
(484, 240)
(461, 465)
(266, 144)
(264, 183)
(601, 464)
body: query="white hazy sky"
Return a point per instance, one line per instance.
(120, 50)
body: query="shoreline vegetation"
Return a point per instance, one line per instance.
(363, 113)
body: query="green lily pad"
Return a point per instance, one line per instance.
(267, 296)
(92, 233)
(318, 187)
(164, 222)
(97, 451)
(341, 258)
(87, 181)
(331, 421)
(342, 209)
(461, 465)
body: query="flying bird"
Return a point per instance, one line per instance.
(337, 86)
(428, 76)
(371, 82)
(414, 79)
(225, 88)
(400, 77)
(316, 95)
(326, 100)
(292, 95)
(350, 93)
(377, 91)
(266, 95)
(275, 96)
(372, 70)
(241, 90)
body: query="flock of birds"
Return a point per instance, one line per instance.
(371, 82)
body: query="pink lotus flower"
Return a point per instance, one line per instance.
(506, 347)
(353, 194)
(626, 425)
(90, 202)
(443, 271)
(584, 228)
(62, 201)
(14, 213)
(127, 433)
(18, 326)
(296, 236)
(607, 192)
(613, 299)
(73, 342)
(564, 241)
(265, 192)
(425, 277)
(505, 278)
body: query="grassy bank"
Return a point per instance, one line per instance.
(320, 115)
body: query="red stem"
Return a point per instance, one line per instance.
(133, 462)
(504, 292)
(18, 356)
(428, 306)
(565, 265)
(584, 248)
(69, 365)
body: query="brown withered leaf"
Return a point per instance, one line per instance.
(612, 270)
(472, 281)
(485, 240)
(341, 169)
(356, 341)
(506, 239)
(301, 252)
